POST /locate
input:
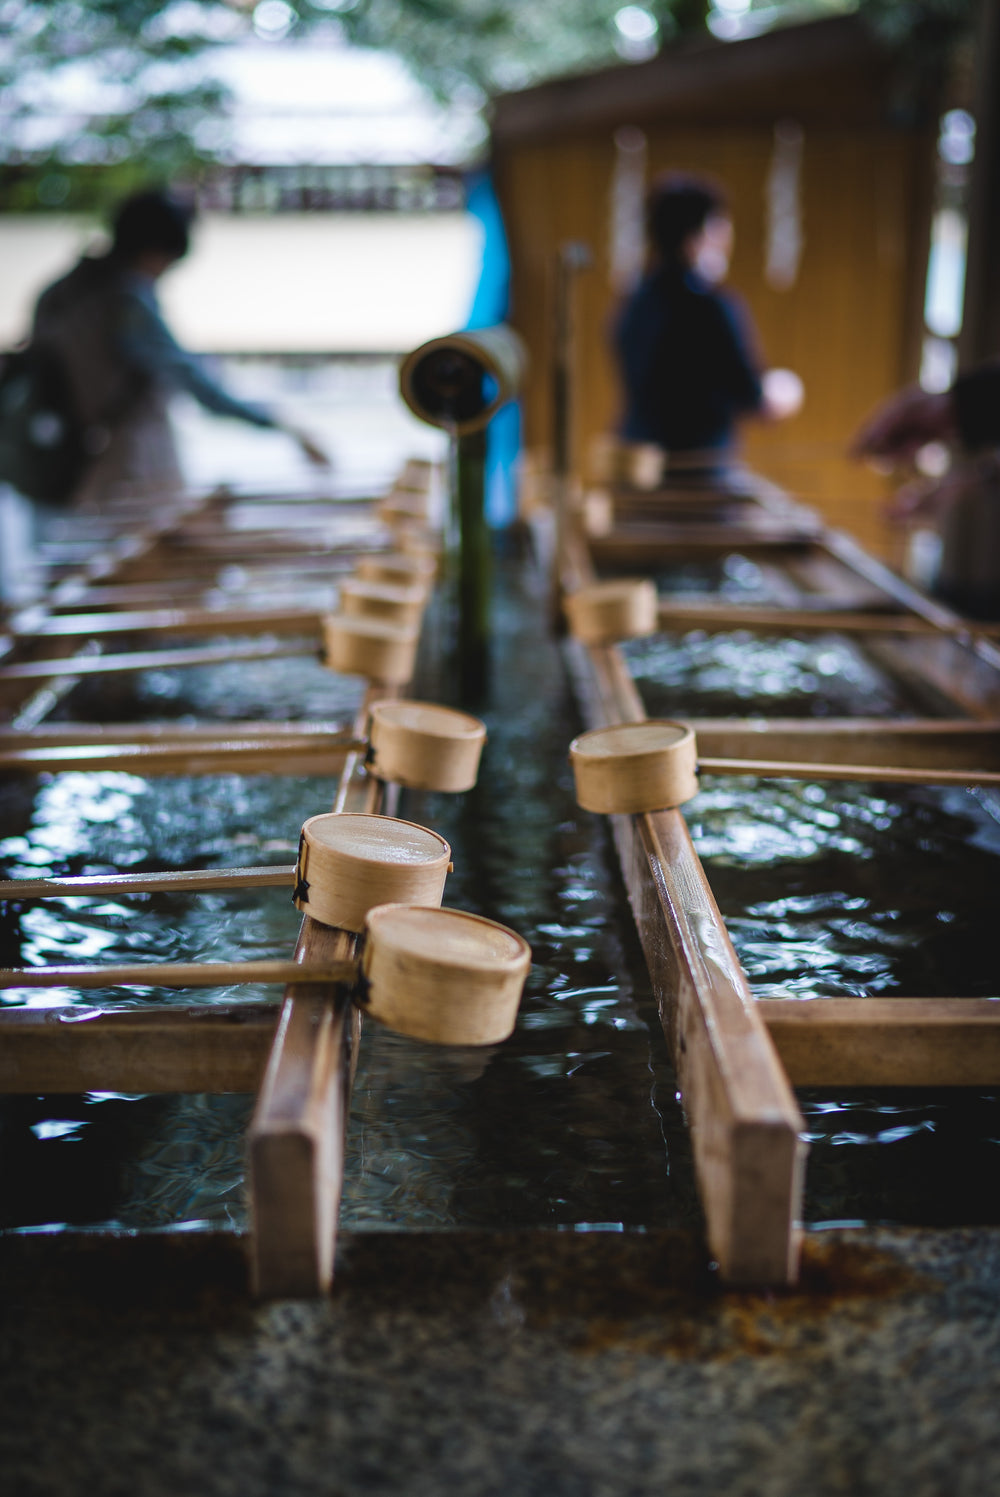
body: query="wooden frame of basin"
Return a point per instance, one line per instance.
(298, 1057)
(737, 1058)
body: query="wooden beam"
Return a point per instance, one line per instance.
(168, 730)
(297, 1136)
(720, 618)
(644, 546)
(179, 974)
(886, 1041)
(745, 1126)
(300, 621)
(787, 769)
(153, 1049)
(148, 660)
(189, 881)
(222, 755)
(917, 743)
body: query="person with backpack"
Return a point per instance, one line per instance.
(84, 409)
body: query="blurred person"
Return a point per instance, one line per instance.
(102, 327)
(968, 412)
(949, 442)
(104, 321)
(686, 349)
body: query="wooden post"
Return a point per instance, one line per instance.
(745, 1126)
(298, 1132)
(297, 1135)
(573, 257)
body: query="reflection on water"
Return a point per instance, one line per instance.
(730, 675)
(107, 1161)
(848, 890)
(574, 1119)
(732, 579)
(836, 889)
(927, 1158)
(827, 889)
(875, 893)
(286, 688)
(97, 822)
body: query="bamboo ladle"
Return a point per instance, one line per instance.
(440, 975)
(654, 764)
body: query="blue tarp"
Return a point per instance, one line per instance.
(491, 305)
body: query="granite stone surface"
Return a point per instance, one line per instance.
(557, 1364)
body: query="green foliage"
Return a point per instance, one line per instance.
(492, 45)
(135, 62)
(159, 116)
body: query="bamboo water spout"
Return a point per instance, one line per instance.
(458, 383)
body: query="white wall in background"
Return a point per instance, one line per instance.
(287, 283)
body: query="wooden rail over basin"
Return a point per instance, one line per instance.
(738, 1058)
(298, 1056)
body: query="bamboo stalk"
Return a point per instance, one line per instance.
(177, 974)
(194, 881)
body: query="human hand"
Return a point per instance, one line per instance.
(312, 452)
(929, 499)
(784, 394)
(904, 423)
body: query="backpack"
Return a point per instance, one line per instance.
(43, 442)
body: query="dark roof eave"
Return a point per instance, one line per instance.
(833, 69)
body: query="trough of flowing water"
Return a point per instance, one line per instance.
(574, 1123)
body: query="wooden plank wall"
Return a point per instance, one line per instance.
(850, 325)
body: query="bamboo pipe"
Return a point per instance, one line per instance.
(195, 881)
(177, 974)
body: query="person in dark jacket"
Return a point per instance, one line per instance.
(686, 349)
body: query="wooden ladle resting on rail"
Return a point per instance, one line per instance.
(440, 975)
(415, 744)
(654, 764)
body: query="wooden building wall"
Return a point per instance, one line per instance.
(849, 325)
